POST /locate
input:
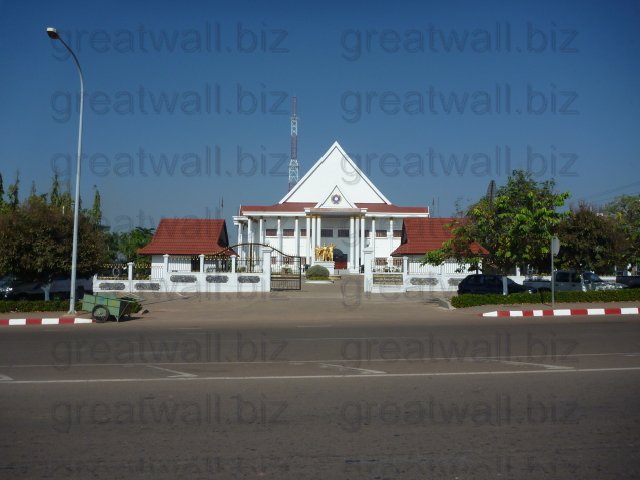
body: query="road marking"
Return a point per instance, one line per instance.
(344, 367)
(511, 357)
(178, 374)
(313, 326)
(543, 365)
(5, 378)
(321, 377)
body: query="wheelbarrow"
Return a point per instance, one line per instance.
(103, 307)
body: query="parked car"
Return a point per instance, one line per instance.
(12, 288)
(572, 281)
(481, 283)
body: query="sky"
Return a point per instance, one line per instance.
(187, 104)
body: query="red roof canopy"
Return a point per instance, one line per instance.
(422, 235)
(188, 236)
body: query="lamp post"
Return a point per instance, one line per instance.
(53, 34)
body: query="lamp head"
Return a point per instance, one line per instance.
(53, 33)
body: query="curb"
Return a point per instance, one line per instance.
(564, 312)
(44, 321)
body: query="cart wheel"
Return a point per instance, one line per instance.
(100, 313)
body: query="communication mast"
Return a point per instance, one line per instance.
(293, 162)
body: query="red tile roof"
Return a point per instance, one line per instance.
(384, 208)
(188, 236)
(300, 206)
(422, 235)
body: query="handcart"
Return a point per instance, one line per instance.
(103, 307)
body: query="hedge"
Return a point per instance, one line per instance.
(472, 300)
(43, 306)
(36, 306)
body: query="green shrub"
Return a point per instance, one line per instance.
(317, 272)
(36, 306)
(472, 300)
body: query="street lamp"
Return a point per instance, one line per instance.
(53, 34)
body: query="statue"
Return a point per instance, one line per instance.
(324, 253)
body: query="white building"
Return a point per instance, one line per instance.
(334, 203)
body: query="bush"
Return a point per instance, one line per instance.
(472, 300)
(36, 306)
(317, 272)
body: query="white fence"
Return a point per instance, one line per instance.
(175, 275)
(401, 275)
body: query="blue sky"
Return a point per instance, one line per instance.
(188, 102)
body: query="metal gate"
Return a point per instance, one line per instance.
(286, 271)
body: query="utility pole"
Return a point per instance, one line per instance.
(293, 162)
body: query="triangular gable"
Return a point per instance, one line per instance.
(335, 168)
(336, 199)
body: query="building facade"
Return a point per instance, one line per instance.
(333, 204)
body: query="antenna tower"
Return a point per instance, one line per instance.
(293, 163)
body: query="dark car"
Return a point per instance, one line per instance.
(481, 283)
(11, 288)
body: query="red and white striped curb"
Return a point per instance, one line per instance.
(44, 321)
(564, 312)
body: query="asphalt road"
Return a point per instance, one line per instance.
(319, 384)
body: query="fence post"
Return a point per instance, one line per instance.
(233, 263)
(166, 264)
(201, 263)
(405, 264)
(266, 268)
(368, 273)
(130, 275)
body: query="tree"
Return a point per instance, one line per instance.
(1, 193)
(626, 210)
(13, 192)
(95, 213)
(54, 196)
(515, 227)
(37, 240)
(591, 240)
(130, 242)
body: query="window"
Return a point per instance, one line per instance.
(343, 233)
(271, 232)
(366, 233)
(326, 232)
(397, 233)
(303, 232)
(287, 232)
(381, 233)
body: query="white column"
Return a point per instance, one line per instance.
(352, 243)
(356, 246)
(319, 238)
(372, 234)
(296, 235)
(390, 236)
(240, 250)
(250, 253)
(362, 241)
(279, 233)
(308, 241)
(261, 228)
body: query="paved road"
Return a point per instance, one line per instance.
(321, 384)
